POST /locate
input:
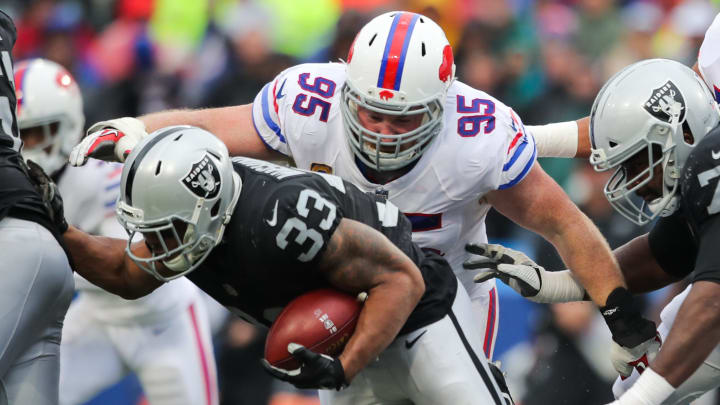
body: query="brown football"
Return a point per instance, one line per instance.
(321, 320)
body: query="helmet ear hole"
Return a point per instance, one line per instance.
(215, 209)
(612, 144)
(688, 137)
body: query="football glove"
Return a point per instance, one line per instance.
(50, 195)
(635, 339)
(111, 141)
(522, 274)
(625, 359)
(317, 371)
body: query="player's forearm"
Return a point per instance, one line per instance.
(641, 271)
(384, 313)
(695, 333)
(101, 260)
(587, 254)
(232, 125)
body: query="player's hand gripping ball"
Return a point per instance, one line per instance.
(321, 320)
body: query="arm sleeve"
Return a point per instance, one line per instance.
(671, 243)
(520, 156)
(266, 114)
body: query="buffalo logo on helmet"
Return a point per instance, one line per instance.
(203, 179)
(386, 95)
(666, 103)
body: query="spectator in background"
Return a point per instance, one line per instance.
(570, 365)
(641, 21)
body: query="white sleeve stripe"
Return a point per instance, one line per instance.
(523, 172)
(266, 115)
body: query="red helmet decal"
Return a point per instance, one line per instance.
(386, 95)
(63, 79)
(447, 64)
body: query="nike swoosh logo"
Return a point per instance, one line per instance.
(715, 155)
(410, 343)
(273, 221)
(279, 93)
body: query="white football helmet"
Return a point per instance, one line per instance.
(178, 174)
(400, 63)
(48, 97)
(648, 107)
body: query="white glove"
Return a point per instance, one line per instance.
(109, 140)
(639, 357)
(522, 274)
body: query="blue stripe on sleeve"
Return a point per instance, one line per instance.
(266, 114)
(522, 174)
(112, 186)
(516, 155)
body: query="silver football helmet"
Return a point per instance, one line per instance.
(400, 63)
(659, 107)
(178, 176)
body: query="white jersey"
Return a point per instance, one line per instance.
(482, 147)
(709, 58)
(89, 193)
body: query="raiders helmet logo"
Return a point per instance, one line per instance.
(203, 179)
(666, 103)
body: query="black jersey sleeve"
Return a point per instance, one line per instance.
(707, 267)
(297, 221)
(673, 246)
(700, 191)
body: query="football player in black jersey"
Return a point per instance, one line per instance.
(37, 282)
(255, 235)
(656, 124)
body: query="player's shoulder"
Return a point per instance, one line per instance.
(483, 132)
(324, 79)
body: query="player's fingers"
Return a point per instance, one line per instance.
(77, 154)
(483, 276)
(477, 248)
(302, 354)
(479, 263)
(274, 371)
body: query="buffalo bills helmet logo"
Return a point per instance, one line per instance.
(386, 95)
(203, 179)
(666, 104)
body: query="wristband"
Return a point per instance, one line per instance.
(650, 389)
(627, 326)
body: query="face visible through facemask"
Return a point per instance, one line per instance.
(387, 124)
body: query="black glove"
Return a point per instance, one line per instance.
(317, 371)
(627, 326)
(50, 195)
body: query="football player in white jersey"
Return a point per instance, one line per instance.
(164, 337)
(393, 120)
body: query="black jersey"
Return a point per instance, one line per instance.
(278, 233)
(18, 196)
(687, 241)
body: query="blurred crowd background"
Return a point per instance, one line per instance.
(546, 59)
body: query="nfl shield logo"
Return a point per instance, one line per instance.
(203, 179)
(666, 104)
